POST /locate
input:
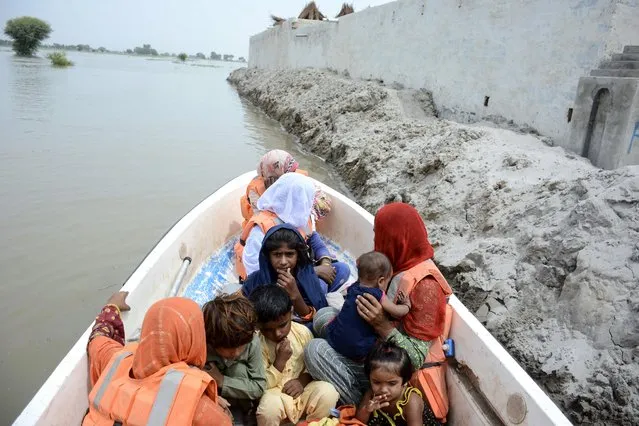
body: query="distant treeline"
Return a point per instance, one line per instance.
(145, 50)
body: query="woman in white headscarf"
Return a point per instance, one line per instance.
(290, 199)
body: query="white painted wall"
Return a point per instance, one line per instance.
(527, 55)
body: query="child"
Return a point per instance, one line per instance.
(348, 333)
(234, 354)
(285, 261)
(291, 392)
(391, 401)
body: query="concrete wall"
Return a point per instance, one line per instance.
(525, 55)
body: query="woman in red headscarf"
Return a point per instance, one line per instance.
(152, 382)
(401, 235)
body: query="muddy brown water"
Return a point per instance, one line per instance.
(97, 161)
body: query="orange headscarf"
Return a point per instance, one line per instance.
(401, 235)
(172, 331)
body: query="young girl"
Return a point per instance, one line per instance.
(391, 401)
(285, 261)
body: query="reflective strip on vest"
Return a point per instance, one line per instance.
(107, 379)
(164, 399)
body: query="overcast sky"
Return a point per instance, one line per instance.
(168, 25)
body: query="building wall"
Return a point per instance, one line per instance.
(525, 55)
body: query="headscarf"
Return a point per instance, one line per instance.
(321, 204)
(172, 332)
(307, 280)
(290, 198)
(275, 164)
(401, 235)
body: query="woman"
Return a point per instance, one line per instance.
(401, 235)
(289, 200)
(271, 167)
(130, 384)
(284, 260)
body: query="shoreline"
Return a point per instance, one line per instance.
(536, 241)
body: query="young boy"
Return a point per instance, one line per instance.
(348, 333)
(234, 354)
(291, 392)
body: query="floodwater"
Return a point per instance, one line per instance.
(97, 161)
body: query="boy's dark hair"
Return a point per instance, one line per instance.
(372, 265)
(229, 321)
(391, 357)
(293, 240)
(270, 302)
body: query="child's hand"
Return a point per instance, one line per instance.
(377, 402)
(402, 299)
(283, 352)
(215, 373)
(287, 281)
(223, 403)
(293, 388)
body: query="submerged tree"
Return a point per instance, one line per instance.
(200, 55)
(216, 56)
(27, 34)
(59, 59)
(182, 56)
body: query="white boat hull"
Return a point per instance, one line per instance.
(498, 390)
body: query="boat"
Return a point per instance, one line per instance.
(485, 384)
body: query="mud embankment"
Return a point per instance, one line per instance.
(541, 245)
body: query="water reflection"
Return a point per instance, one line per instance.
(30, 87)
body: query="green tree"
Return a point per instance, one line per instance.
(182, 57)
(27, 34)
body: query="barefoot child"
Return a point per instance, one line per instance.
(391, 401)
(234, 354)
(291, 392)
(348, 333)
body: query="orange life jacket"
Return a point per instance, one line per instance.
(432, 380)
(265, 220)
(168, 397)
(257, 186)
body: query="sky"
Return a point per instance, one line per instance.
(173, 26)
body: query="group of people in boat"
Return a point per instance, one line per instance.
(275, 352)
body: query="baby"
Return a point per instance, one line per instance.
(348, 333)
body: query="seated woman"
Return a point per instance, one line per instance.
(400, 234)
(289, 200)
(284, 261)
(127, 380)
(270, 168)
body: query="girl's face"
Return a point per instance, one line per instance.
(386, 381)
(283, 258)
